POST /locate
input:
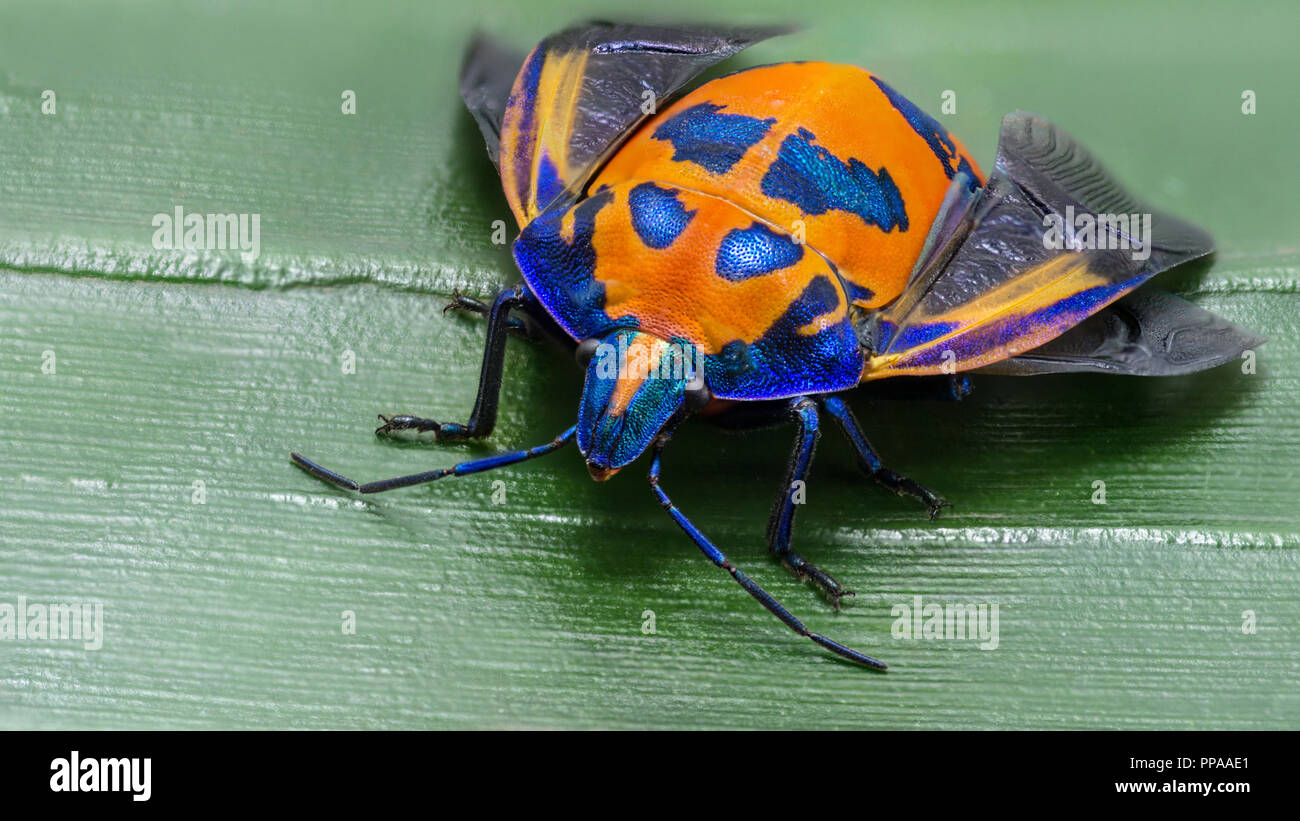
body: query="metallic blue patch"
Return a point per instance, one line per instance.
(921, 334)
(817, 181)
(548, 182)
(657, 215)
(532, 74)
(783, 362)
(1060, 316)
(562, 274)
(754, 251)
(736, 358)
(934, 134)
(858, 293)
(709, 139)
(613, 440)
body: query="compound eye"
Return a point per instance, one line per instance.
(698, 396)
(585, 351)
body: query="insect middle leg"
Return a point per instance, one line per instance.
(750, 586)
(870, 463)
(781, 523)
(483, 417)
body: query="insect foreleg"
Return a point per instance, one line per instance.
(781, 523)
(462, 469)
(751, 587)
(460, 302)
(484, 416)
(869, 462)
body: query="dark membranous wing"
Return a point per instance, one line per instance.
(576, 97)
(1149, 332)
(486, 75)
(990, 288)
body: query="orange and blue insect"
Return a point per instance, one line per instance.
(747, 251)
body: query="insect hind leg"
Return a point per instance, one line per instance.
(870, 463)
(780, 525)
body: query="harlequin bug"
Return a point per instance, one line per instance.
(778, 236)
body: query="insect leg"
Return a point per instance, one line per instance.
(462, 469)
(870, 463)
(460, 302)
(484, 416)
(751, 587)
(781, 523)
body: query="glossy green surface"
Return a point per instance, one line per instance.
(525, 609)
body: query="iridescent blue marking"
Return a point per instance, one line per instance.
(783, 362)
(921, 334)
(548, 185)
(532, 74)
(612, 440)
(736, 358)
(858, 293)
(934, 134)
(562, 274)
(817, 181)
(1059, 316)
(711, 140)
(754, 251)
(657, 215)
